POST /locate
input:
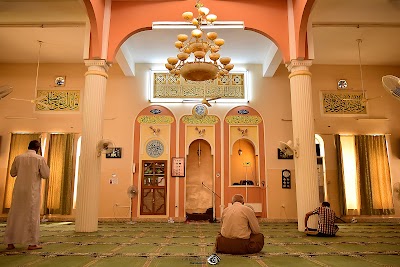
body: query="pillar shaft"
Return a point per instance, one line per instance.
(304, 137)
(87, 203)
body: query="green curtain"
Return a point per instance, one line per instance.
(18, 145)
(59, 186)
(374, 175)
(342, 198)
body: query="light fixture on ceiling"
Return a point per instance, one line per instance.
(363, 99)
(197, 68)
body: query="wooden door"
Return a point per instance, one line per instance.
(154, 187)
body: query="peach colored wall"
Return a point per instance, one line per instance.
(127, 97)
(283, 200)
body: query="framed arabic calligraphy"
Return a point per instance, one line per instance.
(58, 100)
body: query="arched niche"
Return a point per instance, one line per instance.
(199, 177)
(244, 163)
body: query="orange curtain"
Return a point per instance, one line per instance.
(59, 186)
(374, 175)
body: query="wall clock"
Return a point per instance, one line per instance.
(200, 111)
(286, 179)
(342, 84)
(59, 81)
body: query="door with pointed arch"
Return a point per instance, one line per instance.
(199, 178)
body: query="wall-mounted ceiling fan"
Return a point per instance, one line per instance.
(204, 101)
(38, 100)
(392, 85)
(5, 90)
(363, 99)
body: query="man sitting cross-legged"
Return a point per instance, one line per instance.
(240, 231)
(326, 221)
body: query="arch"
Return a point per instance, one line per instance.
(245, 116)
(256, 149)
(302, 10)
(268, 18)
(320, 141)
(95, 12)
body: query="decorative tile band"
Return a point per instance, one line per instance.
(155, 119)
(170, 86)
(209, 119)
(350, 103)
(58, 100)
(243, 119)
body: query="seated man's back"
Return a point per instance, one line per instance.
(239, 221)
(240, 231)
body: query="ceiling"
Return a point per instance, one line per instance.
(337, 24)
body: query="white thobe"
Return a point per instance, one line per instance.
(24, 216)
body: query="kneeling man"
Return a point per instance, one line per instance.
(240, 231)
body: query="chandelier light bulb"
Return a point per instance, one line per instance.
(214, 48)
(214, 56)
(183, 56)
(178, 44)
(199, 54)
(211, 18)
(169, 66)
(195, 22)
(187, 15)
(219, 42)
(196, 33)
(212, 35)
(225, 60)
(172, 60)
(229, 67)
(204, 11)
(182, 37)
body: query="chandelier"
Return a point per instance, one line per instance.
(191, 62)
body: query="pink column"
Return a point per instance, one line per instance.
(304, 138)
(87, 203)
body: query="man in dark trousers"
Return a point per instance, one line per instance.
(326, 221)
(240, 231)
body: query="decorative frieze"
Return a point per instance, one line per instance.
(209, 119)
(170, 86)
(155, 119)
(243, 119)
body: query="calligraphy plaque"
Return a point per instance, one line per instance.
(178, 167)
(58, 100)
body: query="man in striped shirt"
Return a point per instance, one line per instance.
(326, 221)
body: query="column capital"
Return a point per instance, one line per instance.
(97, 62)
(296, 64)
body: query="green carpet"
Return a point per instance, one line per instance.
(181, 244)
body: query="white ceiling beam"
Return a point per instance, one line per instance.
(125, 61)
(272, 61)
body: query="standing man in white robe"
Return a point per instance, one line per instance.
(24, 216)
